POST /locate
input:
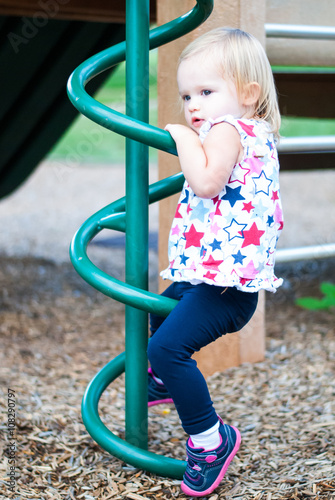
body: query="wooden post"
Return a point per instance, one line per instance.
(248, 345)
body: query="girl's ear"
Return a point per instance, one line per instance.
(251, 93)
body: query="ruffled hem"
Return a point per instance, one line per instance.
(242, 284)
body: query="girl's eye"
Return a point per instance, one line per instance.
(206, 92)
(186, 97)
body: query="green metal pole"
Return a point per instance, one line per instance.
(137, 202)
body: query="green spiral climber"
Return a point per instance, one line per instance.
(130, 215)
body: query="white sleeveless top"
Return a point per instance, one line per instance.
(230, 240)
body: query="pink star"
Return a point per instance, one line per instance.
(252, 236)
(193, 237)
(243, 281)
(274, 196)
(212, 263)
(247, 128)
(210, 276)
(240, 177)
(175, 230)
(255, 164)
(248, 207)
(217, 211)
(249, 271)
(278, 214)
(177, 214)
(215, 228)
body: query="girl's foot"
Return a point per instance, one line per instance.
(205, 469)
(157, 392)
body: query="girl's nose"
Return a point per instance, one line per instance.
(193, 105)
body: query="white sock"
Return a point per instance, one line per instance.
(208, 440)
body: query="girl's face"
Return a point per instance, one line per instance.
(205, 93)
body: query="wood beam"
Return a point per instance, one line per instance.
(249, 344)
(79, 10)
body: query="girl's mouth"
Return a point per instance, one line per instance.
(197, 122)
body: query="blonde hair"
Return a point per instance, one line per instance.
(242, 59)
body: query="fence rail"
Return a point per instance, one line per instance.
(273, 30)
(325, 143)
(305, 253)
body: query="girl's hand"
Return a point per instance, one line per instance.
(208, 166)
(179, 132)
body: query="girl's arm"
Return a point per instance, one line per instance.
(208, 166)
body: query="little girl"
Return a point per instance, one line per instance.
(223, 237)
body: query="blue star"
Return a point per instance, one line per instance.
(172, 271)
(233, 195)
(229, 216)
(215, 244)
(262, 183)
(203, 251)
(171, 245)
(235, 230)
(266, 159)
(183, 259)
(259, 210)
(270, 220)
(185, 200)
(238, 257)
(199, 212)
(260, 267)
(269, 143)
(261, 249)
(250, 284)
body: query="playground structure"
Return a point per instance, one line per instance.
(118, 216)
(122, 215)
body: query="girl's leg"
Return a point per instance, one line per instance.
(203, 314)
(157, 392)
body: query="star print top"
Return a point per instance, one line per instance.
(230, 240)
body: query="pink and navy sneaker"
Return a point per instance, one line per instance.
(157, 392)
(205, 469)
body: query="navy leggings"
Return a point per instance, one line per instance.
(203, 314)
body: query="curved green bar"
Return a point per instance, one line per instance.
(113, 217)
(111, 119)
(157, 464)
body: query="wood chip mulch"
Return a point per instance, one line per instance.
(56, 333)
